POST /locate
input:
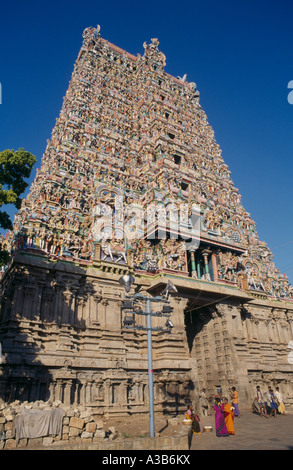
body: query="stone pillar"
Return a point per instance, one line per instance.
(66, 295)
(198, 265)
(88, 391)
(59, 390)
(57, 310)
(17, 303)
(104, 303)
(80, 303)
(123, 393)
(179, 305)
(28, 299)
(38, 299)
(215, 267)
(95, 314)
(279, 315)
(193, 265)
(205, 254)
(67, 392)
(52, 391)
(47, 296)
(140, 393)
(108, 392)
(290, 321)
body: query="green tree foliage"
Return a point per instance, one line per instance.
(14, 167)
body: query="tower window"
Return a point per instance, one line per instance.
(177, 159)
(184, 186)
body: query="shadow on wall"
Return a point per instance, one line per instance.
(195, 320)
(37, 317)
(177, 398)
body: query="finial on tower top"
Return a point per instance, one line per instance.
(152, 52)
(91, 33)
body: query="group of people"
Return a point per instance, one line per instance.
(269, 403)
(225, 413)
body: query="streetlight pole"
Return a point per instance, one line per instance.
(126, 282)
(150, 368)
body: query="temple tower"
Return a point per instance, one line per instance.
(133, 181)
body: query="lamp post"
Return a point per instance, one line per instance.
(150, 368)
(130, 324)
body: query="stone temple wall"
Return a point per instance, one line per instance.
(243, 346)
(63, 338)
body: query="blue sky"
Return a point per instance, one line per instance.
(238, 52)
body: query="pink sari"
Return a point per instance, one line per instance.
(221, 429)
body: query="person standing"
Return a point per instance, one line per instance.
(272, 402)
(229, 416)
(235, 401)
(195, 425)
(261, 403)
(221, 429)
(281, 406)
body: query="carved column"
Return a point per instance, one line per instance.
(255, 329)
(47, 296)
(290, 321)
(38, 298)
(66, 296)
(123, 393)
(104, 303)
(276, 317)
(205, 254)
(193, 265)
(215, 267)
(59, 389)
(95, 315)
(179, 306)
(80, 303)
(28, 300)
(67, 392)
(57, 310)
(88, 391)
(18, 299)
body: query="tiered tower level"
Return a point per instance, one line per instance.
(132, 137)
(128, 128)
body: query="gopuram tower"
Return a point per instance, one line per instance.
(130, 157)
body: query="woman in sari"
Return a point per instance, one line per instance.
(235, 401)
(281, 406)
(195, 425)
(229, 416)
(221, 429)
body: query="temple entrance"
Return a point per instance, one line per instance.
(195, 320)
(210, 346)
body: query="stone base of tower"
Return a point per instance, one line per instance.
(63, 338)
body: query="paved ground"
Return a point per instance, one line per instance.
(252, 432)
